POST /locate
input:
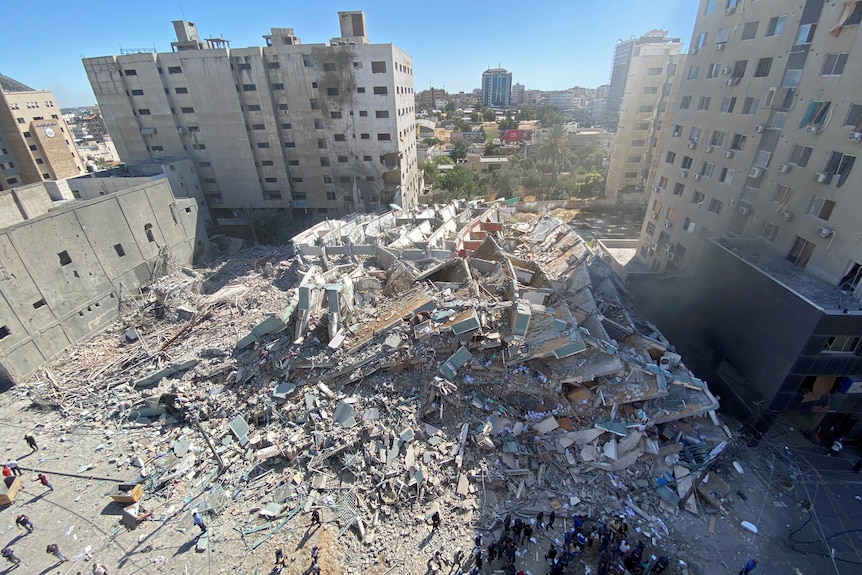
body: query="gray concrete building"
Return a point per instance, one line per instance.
(35, 142)
(755, 203)
(496, 88)
(66, 265)
(316, 128)
(650, 90)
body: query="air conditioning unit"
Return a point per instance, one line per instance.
(653, 246)
(784, 168)
(813, 129)
(654, 215)
(728, 153)
(725, 71)
(825, 232)
(719, 47)
(692, 145)
(696, 176)
(822, 177)
(708, 149)
(181, 130)
(670, 256)
(755, 172)
(786, 215)
(855, 136)
(743, 211)
(668, 224)
(759, 128)
(656, 189)
(683, 173)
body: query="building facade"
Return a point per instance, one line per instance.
(35, 142)
(496, 88)
(616, 89)
(651, 87)
(322, 128)
(755, 201)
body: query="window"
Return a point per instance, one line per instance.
(277, 86)
(339, 138)
(253, 107)
(633, 159)
(318, 124)
(650, 90)
(119, 249)
(273, 65)
(381, 114)
(713, 70)
(11, 181)
(157, 148)
(378, 67)
(364, 136)
(800, 155)
(342, 159)
(65, 259)
(684, 103)
(646, 109)
(662, 182)
(4, 332)
(175, 70)
(782, 194)
(726, 176)
(314, 85)
(329, 66)
(775, 26)
(205, 164)
(130, 72)
(706, 169)
(854, 116)
(820, 208)
(137, 92)
(321, 143)
(381, 137)
(697, 198)
(834, 64)
(642, 126)
(749, 31)
(670, 157)
(710, 7)
(308, 60)
(806, 34)
(693, 71)
(678, 189)
(638, 143)
(722, 36)
(750, 106)
(381, 90)
(249, 88)
(631, 175)
(286, 126)
(768, 231)
(686, 162)
(369, 178)
(181, 90)
(704, 102)
(738, 143)
(764, 66)
(717, 139)
(209, 180)
(842, 344)
(315, 103)
(335, 115)
(245, 66)
(839, 164)
(739, 67)
(715, 206)
(270, 180)
(263, 145)
(791, 79)
(33, 147)
(258, 127)
(332, 91)
(267, 163)
(329, 195)
(293, 162)
(199, 147)
(143, 111)
(187, 110)
(800, 252)
(363, 113)
(325, 162)
(701, 41)
(777, 120)
(345, 179)
(727, 104)
(366, 159)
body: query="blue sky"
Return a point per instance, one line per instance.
(546, 44)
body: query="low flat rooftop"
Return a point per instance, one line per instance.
(819, 293)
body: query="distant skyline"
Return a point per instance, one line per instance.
(546, 44)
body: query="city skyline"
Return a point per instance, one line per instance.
(451, 45)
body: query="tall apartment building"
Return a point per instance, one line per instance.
(651, 86)
(327, 128)
(756, 200)
(35, 143)
(623, 53)
(496, 88)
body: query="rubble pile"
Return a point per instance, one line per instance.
(448, 358)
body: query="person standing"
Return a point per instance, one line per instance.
(507, 522)
(528, 532)
(552, 553)
(199, 521)
(24, 522)
(279, 557)
(435, 521)
(31, 441)
(12, 465)
(539, 519)
(660, 565)
(10, 556)
(43, 479)
(54, 550)
(551, 518)
(315, 517)
(315, 554)
(749, 566)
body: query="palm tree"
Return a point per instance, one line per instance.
(555, 154)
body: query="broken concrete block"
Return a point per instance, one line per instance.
(463, 485)
(586, 435)
(546, 425)
(610, 449)
(344, 415)
(630, 441)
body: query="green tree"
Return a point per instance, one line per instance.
(443, 160)
(474, 117)
(450, 106)
(489, 115)
(431, 173)
(102, 163)
(548, 116)
(432, 141)
(554, 154)
(508, 124)
(462, 126)
(459, 182)
(459, 150)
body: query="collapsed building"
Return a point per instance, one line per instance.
(459, 358)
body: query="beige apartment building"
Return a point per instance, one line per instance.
(35, 143)
(316, 128)
(651, 86)
(755, 211)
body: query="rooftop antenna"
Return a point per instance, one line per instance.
(183, 12)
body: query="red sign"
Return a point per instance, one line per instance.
(514, 135)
